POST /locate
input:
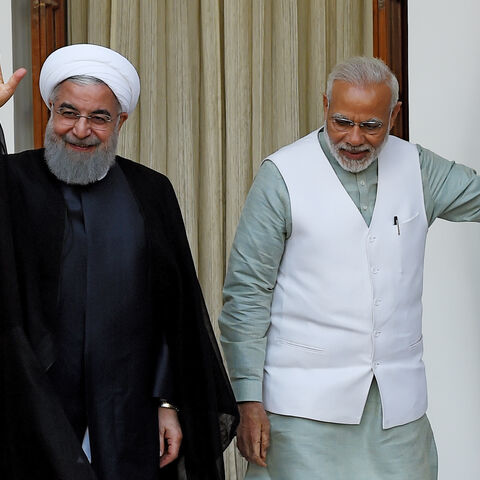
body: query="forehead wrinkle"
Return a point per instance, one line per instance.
(358, 103)
(89, 98)
(100, 111)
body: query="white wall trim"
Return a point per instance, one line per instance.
(6, 61)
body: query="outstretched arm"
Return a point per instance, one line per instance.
(8, 89)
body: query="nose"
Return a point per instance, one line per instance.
(81, 128)
(355, 136)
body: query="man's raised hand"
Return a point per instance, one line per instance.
(8, 89)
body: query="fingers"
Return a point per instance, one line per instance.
(253, 434)
(170, 435)
(14, 80)
(161, 438)
(252, 449)
(8, 89)
(172, 450)
(264, 442)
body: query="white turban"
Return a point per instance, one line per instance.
(95, 61)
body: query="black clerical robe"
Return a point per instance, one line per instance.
(34, 425)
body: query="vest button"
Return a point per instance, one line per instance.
(375, 270)
(376, 333)
(378, 302)
(372, 238)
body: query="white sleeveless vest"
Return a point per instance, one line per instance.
(347, 302)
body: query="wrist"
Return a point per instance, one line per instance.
(162, 403)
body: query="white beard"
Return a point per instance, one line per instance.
(351, 165)
(78, 168)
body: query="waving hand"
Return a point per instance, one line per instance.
(8, 89)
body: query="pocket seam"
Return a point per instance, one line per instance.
(301, 346)
(409, 219)
(415, 344)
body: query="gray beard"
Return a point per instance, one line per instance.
(350, 165)
(78, 168)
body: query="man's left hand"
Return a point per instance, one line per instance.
(170, 435)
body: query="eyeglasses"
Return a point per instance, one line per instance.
(343, 124)
(99, 121)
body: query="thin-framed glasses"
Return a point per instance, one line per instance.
(68, 117)
(344, 124)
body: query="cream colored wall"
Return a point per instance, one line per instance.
(6, 113)
(444, 71)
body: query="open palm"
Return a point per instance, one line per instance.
(8, 89)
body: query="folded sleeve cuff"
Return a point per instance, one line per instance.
(247, 390)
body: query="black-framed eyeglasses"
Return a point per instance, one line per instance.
(69, 117)
(344, 124)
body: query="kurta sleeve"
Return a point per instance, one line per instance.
(257, 250)
(451, 190)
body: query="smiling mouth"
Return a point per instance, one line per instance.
(354, 155)
(81, 148)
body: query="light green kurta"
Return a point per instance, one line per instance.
(302, 449)
(452, 192)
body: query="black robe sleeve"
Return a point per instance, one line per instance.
(163, 386)
(208, 412)
(36, 439)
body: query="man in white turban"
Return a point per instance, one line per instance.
(108, 340)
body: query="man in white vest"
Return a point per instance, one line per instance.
(322, 322)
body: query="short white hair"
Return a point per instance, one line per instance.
(363, 71)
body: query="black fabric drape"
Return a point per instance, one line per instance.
(206, 401)
(37, 440)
